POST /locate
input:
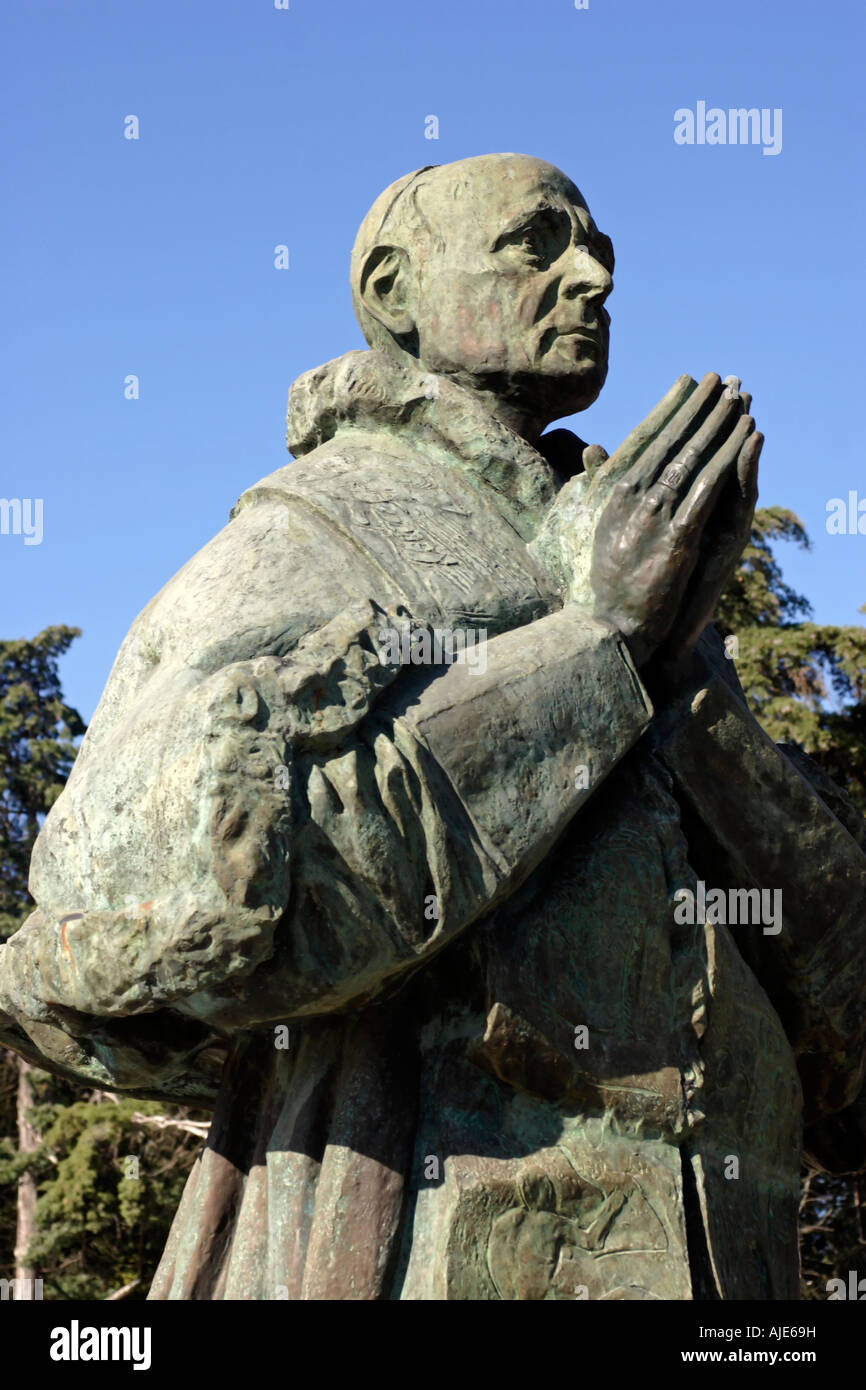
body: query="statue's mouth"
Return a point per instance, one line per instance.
(583, 334)
(589, 334)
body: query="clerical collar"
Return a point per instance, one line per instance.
(368, 391)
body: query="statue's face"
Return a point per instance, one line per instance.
(514, 300)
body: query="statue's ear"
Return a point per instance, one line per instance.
(386, 288)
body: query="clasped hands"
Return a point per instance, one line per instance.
(674, 504)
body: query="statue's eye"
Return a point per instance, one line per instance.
(531, 244)
(539, 242)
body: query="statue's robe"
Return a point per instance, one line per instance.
(417, 931)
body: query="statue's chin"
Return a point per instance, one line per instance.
(570, 393)
(551, 393)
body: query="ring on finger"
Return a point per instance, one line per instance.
(674, 476)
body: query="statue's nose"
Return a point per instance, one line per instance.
(585, 277)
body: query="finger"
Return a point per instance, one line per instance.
(701, 498)
(747, 467)
(644, 433)
(712, 434)
(724, 537)
(678, 432)
(732, 386)
(593, 457)
(727, 529)
(675, 478)
(732, 514)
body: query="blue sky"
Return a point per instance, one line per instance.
(260, 127)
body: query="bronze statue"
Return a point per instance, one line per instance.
(424, 832)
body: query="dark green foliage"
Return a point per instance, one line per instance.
(805, 681)
(8, 1144)
(37, 748)
(832, 1230)
(109, 1183)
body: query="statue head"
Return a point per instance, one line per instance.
(490, 271)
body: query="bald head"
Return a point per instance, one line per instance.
(462, 268)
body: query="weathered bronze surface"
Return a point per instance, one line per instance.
(525, 975)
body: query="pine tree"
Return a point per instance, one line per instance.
(38, 733)
(805, 681)
(37, 748)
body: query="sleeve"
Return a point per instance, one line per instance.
(321, 822)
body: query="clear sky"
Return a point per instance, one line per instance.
(260, 127)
